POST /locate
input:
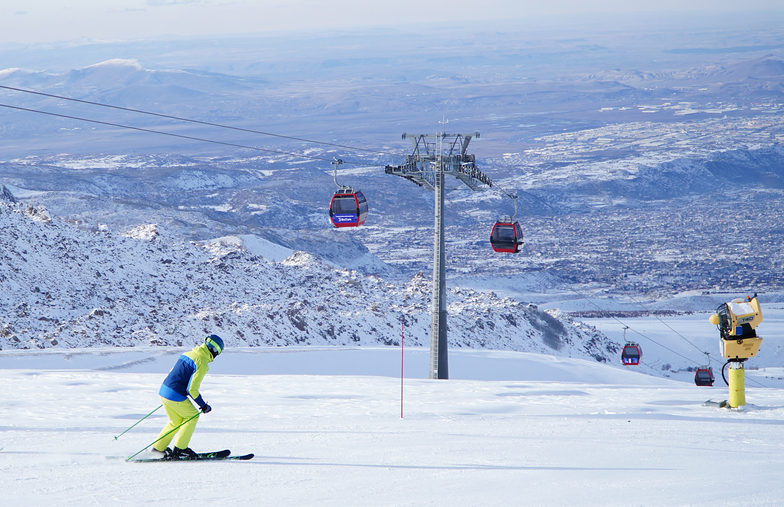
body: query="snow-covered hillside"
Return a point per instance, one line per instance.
(62, 286)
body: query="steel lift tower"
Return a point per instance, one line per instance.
(434, 156)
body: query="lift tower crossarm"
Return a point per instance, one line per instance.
(455, 161)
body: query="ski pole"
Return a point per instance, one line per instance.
(165, 435)
(137, 422)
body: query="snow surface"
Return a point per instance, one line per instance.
(256, 246)
(118, 62)
(552, 431)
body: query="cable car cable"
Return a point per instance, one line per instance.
(648, 338)
(747, 378)
(677, 333)
(181, 136)
(674, 331)
(659, 344)
(632, 329)
(506, 192)
(510, 195)
(179, 118)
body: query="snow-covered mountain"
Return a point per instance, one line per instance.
(65, 286)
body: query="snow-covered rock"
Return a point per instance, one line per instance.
(62, 285)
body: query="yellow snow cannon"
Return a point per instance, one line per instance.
(737, 321)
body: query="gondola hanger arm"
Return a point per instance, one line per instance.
(336, 163)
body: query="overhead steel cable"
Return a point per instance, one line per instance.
(708, 354)
(182, 136)
(510, 194)
(179, 118)
(673, 330)
(634, 330)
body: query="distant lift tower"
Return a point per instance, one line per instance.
(436, 155)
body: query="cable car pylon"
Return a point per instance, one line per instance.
(427, 166)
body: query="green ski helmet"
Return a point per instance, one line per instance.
(214, 344)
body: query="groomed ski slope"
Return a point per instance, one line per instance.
(574, 433)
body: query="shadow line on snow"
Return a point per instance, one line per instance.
(672, 417)
(260, 460)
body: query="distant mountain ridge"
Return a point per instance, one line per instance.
(355, 99)
(766, 68)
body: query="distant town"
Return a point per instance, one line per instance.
(682, 129)
(722, 237)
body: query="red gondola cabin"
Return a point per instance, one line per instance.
(704, 376)
(631, 354)
(506, 237)
(348, 208)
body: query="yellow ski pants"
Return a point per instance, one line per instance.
(178, 412)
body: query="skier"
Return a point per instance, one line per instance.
(184, 381)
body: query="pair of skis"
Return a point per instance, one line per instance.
(224, 455)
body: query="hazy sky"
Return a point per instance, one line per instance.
(27, 21)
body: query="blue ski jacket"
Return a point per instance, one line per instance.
(186, 376)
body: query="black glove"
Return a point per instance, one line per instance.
(206, 409)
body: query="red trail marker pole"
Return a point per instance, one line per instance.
(402, 337)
